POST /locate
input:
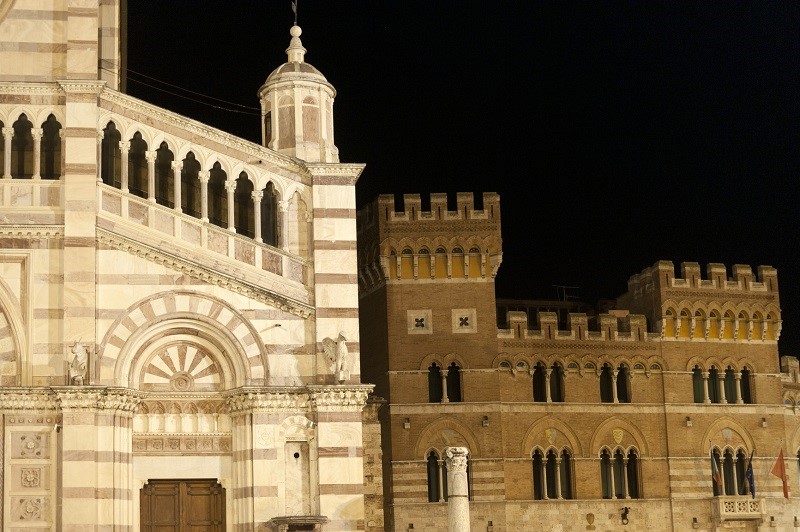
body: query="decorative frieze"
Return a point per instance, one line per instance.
(182, 444)
(244, 400)
(339, 398)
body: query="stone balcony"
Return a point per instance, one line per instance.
(738, 508)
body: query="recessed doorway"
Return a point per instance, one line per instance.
(182, 505)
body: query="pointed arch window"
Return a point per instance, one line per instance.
(454, 383)
(633, 475)
(606, 474)
(557, 384)
(434, 481)
(552, 474)
(539, 383)
(730, 466)
(435, 389)
(745, 383)
(244, 215)
(731, 389)
(137, 166)
(51, 149)
(22, 148)
(698, 385)
(623, 383)
(606, 384)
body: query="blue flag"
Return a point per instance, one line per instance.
(748, 474)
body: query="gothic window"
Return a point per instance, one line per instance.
(111, 156)
(606, 384)
(165, 180)
(623, 385)
(269, 215)
(244, 215)
(454, 383)
(744, 325)
(22, 148)
(552, 474)
(566, 475)
(217, 196)
(137, 166)
(729, 468)
(619, 474)
(557, 384)
(435, 391)
(698, 385)
(713, 385)
(539, 383)
(190, 186)
(51, 149)
(539, 480)
(606, 474)
(433, 477)
(747, 396)
(633, 476)
(267, 128)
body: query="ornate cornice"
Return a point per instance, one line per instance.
(351, 398)
(32, 231)
(601, 345)
(193, 127)
(36, 89)
(92, 398)
(248, 400)
(205, 274)
(352, 170)
(81, 86)
(27, 399)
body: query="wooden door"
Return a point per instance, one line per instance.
(186, 505)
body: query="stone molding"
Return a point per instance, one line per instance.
(27, 399)
(81, 86)
(38, 89)
(349, 398)
(247, 400)
(32, 231)
(91, 398)
(208, 275)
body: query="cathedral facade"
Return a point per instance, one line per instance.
(179, 336)
(647, 416)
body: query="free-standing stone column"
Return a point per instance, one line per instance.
(458, 488)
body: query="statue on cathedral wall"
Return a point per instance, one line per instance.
(336, 351)
(79, 364)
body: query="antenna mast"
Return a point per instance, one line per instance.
(294, 10)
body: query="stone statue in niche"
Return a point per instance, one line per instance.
(336, 351)
(79, 364)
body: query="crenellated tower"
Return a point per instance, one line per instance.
(297, 108)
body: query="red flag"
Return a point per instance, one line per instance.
(716, 474)
(779, 470)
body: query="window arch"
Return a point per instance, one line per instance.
(619, 474)
(111, 156)
(190, 186)
(698, 385)
(435, 480)
(731, 389)
(745, 384)
(435, 388)
(454, 383)
(217, 196)
(557, 383)
(269, 215)
(713, 385)
(244, 215)
(728, 468)
(623, 383)
(51, 149)
(164, 178)
(548, 383)
(606, 385)
(22, 148)
(552, 474)
(539, 383)
(137, 166)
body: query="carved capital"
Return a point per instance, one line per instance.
(36, 133)
(124, 146)
(230, 186)
(151, 156)
(283, 206)
(204, 176)
(456, 458)
(23, 399)
(246, 400)
(176, 166)
(339, 398)
(257, 195)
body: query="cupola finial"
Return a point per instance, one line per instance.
(296, 52)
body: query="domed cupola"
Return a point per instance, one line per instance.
(297, 108)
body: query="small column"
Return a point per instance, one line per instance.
(100, 137)
(124, 148)
(37, 133)
(257, 195)
(721, 378)
(8, 133)
(441, 479)
(177, 167)
(230, 187)
(614, 374)
(611, 476)
(558, 478)
(706, 398)
(625, 477)
(204, 176)
(738, 388)
(443, 373)
(545, 496)
(458, 487)
(548, 372)
(283, 226)
(151, 175)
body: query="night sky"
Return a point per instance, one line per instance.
(616, 133)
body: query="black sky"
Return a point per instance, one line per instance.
(617, 133)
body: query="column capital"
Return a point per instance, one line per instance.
(101, 136)
(257, 195)
(230, 186)
(456, 458)
(151, 156)
(203, 176)
(283, 206)
(176, 165)
(124, 146)
(36, 133)
(8, 132)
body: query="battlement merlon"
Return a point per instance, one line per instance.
(466, 209)
(618, 326)
(661, 277)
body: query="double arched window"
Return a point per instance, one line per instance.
(33, 152)
(722, 386)
(548, 383)
(615, 384)
(444, 386)
(552, 474)
(619, 474)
